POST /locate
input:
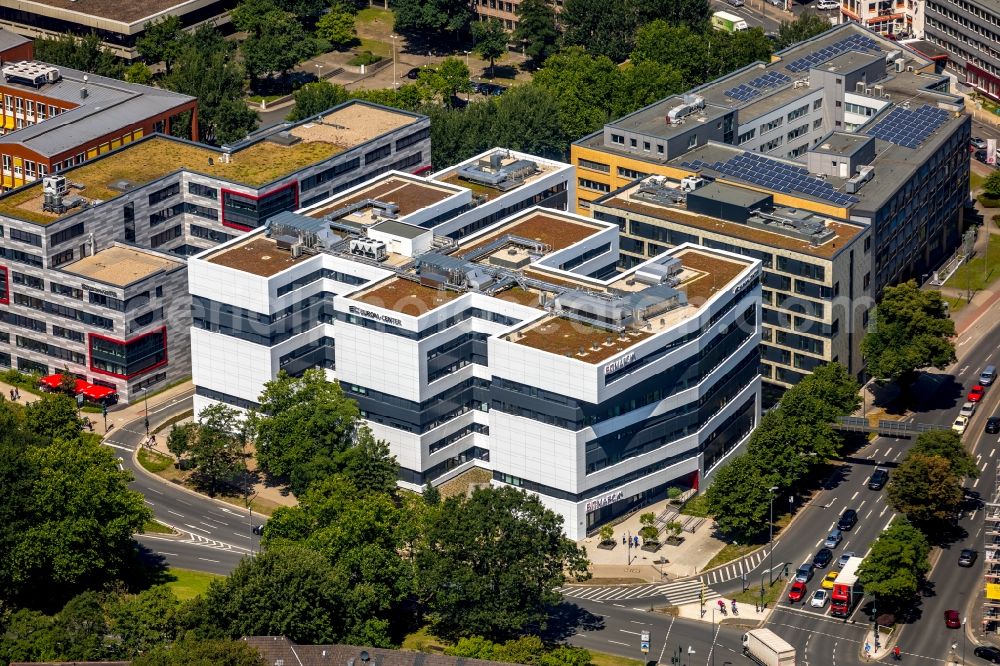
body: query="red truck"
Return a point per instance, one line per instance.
(846, 590)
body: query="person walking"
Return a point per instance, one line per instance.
(895, 653)
(734, 608)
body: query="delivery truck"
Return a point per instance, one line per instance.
(728, 22)
(768, 648)
(846, 591)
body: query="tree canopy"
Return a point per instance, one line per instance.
(927, 485)
(806, 25)
(161, 41)
(910, 330)
(895, 568)
(215, 445)
(536, 30)
(337, 25)
(68, 514)
(490, 564)
(433, 19)
(85, 53)
(490, 39)
(446, 80)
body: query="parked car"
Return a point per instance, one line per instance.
(960, 424)
(980, 156)
(968, 409)
(797, 593)
(951, 619)
(833, 538)
(819, 598)
(977, 393)
(992, 425)
(823, 558)
(258, 529)
(967, 557)
(847, 519)
(978, 142)
(827, 4)
(804, 572)
(989, 653)
(414, 73)
(878, 479)
(736, 3)
(829, 580)
(842, 562)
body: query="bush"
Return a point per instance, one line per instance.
(364, 58)
(996, 220)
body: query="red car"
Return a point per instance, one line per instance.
(977, 393)
(951, 619)
(797, 592)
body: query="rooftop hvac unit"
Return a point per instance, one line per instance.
(55, 185)
(691, 104)
(879, 90)
(901, 64)
(691, 183)
(369, 248)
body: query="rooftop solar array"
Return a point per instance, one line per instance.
(747, 91)
(777, 176)
(909, 128)
(852, 43)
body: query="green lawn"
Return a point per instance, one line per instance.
(602, 659)
(752, 595)
(376, 47)
(187, 584)
(697, 506)
(955, 304)
(975, 180)
(154, 462)
(982, 270)
(373, 14)
(153, 527)
(730, 552)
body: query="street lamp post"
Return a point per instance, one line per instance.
(393, 37)
(713, 635)
(770, 540)
(467, 59)
(319, 71)
(963, 640)
(145, 399)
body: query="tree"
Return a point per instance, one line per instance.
(145, 621)
(369, 465)
(925, 489)
(829, 390)
(54, 415)
(490, 40)
(433, 19)
(289, 591)
(808, 24)
(584, 86)
(337, 26)
(68, 517)
(161, 41)
(315, 98)
(86, 53)
(910, 330)
(191, 651)
(139, 73)
(606, 533)
(446, 80)
(739, 498)
(215, 447)
(252, 16)
(604, 28)
(305, 423)
(896, 565)
(991, 186)
(536, 30)
(648, 532)
(491, 563)
(525, 118)
(644, 83)
(280, 44)
(207, 70)
(947, 444)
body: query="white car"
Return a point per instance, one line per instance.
(819, 598)
(960, 424)
(827, 4)
(967, 410)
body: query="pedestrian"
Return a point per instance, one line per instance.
(895, 652)
(12, 395)
(17, 393)
(623, 539)
(734, 608)
(722, 605)
(756, 607)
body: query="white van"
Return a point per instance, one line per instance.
(827, 4)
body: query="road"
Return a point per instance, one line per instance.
(766, 15)
(211, 536)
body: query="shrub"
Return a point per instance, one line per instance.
(364, 58)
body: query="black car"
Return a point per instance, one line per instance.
(257, 529)
(989, 653)
(878, 480)
(967, 557)
(823, 558)
(992, 425)
(490, 89)
(848, 519)
(414, 73)
(980, 156)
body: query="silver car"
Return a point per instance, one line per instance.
(833, 539)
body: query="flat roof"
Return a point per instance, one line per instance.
(844, 232)
(258, 255)
(405, 296)
(351, 125)
(485, 192)
(546, 227)
(121, 266)
(409, 193)
(400, 229)
(842, 143)
(154, 157)
(114, 10)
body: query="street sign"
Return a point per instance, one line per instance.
(644, 642)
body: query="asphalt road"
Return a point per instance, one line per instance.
(211, 536)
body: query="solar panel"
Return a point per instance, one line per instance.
(909, 127)
(769, 80)
(852, 43)
(781, 177)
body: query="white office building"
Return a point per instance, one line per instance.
(517, 348)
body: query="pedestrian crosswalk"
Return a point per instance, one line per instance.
(737, 569)
(681, 592)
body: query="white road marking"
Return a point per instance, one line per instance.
(196, 528)
(976, 482)
(854, 496)
(208, 560)
(175, 513)
(123, 448)
(862, 504)
(626, 631)
(183, 502)
(619, 643)
(147, 502)
(163, 552)
(992, 451)
(870, 511)
(154, 490)
(888, 451)
(984, 466)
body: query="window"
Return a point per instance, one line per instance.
(209, 234)
(6, 162)
(9, 103)
(62, 258)
(746, 136)
(31, 107)
(66, 234)
(245, 211)
(378, 153)
(595, 166)
(21, 257)
(67, 333)
(659, 148)
(817, 104)
(618, 138)
(633, 142)
(416, 137)
(54, 111)
(868, 244)
(200, 190)
(165, 193)
(329, 174)
(646, 146)
(65, 290)
(692, 141)
(165, 236)
(27, 280)
(593, 185)
(41, 111)
(201, 211)
(26, 237)
(128, 358)
(798, 113)
(767, 127)
(631, 174)
(817, 123)
(167, 213)
(18, 104)
(798, 131)
(772, 144)
(838, 104)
